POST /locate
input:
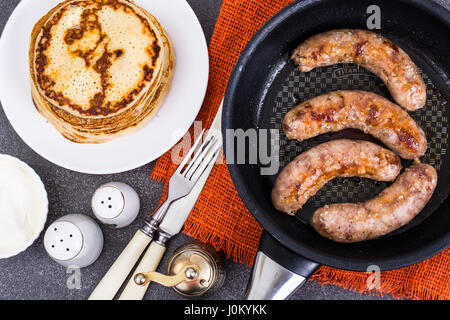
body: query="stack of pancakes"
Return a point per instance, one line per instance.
(99, 68)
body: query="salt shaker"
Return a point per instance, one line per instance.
(115, 204)
(74, 240)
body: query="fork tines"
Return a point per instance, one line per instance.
(202, 157)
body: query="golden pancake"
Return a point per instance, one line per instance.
(99, 68)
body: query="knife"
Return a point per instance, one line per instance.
(172, 223)
(118, 272)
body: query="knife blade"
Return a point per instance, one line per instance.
(173, 222)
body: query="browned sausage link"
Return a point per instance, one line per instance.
(391, 209)
(312, 169)
(372, 51)
(361, 110)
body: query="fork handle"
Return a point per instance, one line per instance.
(117, 274)
(149, 263)
(159, 215)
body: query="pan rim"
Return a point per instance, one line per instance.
(401, 260)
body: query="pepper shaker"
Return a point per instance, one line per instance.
(116, 204)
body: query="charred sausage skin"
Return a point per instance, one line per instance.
(312, 169)
(394, 207)
(372, 51)
(361, 110)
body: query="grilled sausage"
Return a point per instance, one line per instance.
(312, 169)
(361, 110)
(372, 51)
(394, 207)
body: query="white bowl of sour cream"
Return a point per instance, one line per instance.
(23, 206)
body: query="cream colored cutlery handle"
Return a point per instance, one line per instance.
(149, 263)
(117, 274)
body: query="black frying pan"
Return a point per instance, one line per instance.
(265, 85)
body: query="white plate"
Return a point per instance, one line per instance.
(37, 199)
(125, 153)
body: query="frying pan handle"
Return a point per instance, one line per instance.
(277, 272)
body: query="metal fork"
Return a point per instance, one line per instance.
(180, 184)
(184, 179)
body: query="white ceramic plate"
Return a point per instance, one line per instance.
(125, 153)
(22, 180)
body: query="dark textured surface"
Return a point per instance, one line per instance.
(32, 275)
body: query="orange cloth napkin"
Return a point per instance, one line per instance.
(220, 217)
